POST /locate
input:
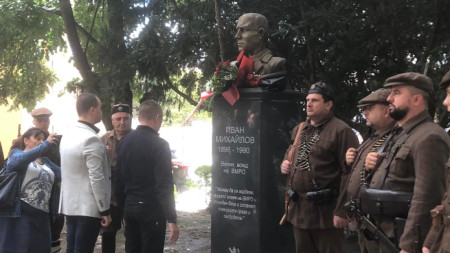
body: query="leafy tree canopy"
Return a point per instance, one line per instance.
(162, 49)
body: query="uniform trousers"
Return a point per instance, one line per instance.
(329, 240)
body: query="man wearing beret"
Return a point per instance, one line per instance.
(438, 239)
(413, 162)
(121, 121)
(375, 109)
(318, 174)
(41, 120)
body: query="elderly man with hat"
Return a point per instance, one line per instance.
(315, 167)
(121, 121)
(413, 162)
(438, 239)
(375, 109)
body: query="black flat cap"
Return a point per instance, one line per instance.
(417, 80)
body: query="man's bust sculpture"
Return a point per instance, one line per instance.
(257, 66)
(252, 33)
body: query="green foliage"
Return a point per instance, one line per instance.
(204, 172)
(28, 36)
(163, 49)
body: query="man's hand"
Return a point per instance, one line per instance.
(285, 167)
(106, 220)
(350, 156)
(425, 250)
(403, 251)
(340, 222)
(372, 160)
(174, 232)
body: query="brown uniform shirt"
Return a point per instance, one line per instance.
(418, 167)
(110, 141)
(326, 160)
(438, 239)
(264, 63)
(354, 180)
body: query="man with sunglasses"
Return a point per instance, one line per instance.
(121, 121)
(317, 173)
(375, 109)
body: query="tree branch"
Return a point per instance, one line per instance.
(78, 26)
(220, 30)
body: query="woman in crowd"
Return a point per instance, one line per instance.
(25, 227)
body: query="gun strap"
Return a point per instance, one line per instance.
(297, 137)
(291, 153)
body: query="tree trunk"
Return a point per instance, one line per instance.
(80, 58)
(219, 24)
(121, 74)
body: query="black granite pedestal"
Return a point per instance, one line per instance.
(247, 200)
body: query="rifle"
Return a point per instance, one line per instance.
(289, 192)
(353, 211)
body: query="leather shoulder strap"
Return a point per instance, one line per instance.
(296, 140)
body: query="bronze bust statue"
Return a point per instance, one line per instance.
(251, 36)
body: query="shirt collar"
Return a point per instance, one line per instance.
(147, 128)
(414, 121)
(387, 130)
(321, 123)
(90, 125)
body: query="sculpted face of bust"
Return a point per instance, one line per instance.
(251, 32)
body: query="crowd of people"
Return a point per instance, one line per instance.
(95, 184)
(395, 180)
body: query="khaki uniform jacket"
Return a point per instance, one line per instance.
(110, 141)
(326, 160)
(354, 180)
(438, 239)
(264, 63)
(418, 167)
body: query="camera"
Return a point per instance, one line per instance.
(292, 194)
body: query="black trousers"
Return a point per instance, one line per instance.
(143, 234)
(109, 233)
(56, 227)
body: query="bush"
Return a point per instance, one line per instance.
(204, 172)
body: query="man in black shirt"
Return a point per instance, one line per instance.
(144, 184)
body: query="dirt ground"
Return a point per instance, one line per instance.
(194, 220)
(195, 235)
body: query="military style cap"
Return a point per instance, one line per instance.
(376, 97)
(120, 108)
(445, 81)
(41, 112)
(413, 79)
(322, 88)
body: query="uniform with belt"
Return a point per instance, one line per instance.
(438, 238)
(414, 163)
